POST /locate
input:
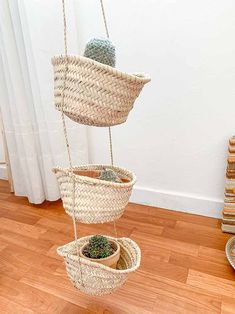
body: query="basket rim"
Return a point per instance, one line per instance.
(69, 171)
(229, 243)
(135, 77)
(97, 265)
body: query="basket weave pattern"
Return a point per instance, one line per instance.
(96, 201)
(229, 246)
(95, 94)
(97, 279)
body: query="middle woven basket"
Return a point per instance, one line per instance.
(95, 200)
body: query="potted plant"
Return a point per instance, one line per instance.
(101, 250)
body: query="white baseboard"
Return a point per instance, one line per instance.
(3, 172)
(175, 201)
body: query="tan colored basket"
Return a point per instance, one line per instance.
(96, 201)
(97, 279)
(230, 245)
(94, 93)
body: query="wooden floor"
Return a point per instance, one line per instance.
(183, 269)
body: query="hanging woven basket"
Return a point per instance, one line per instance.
(97, 279)
(92, 93)
(95, 200)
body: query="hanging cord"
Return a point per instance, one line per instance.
(65, 29)
(64, 85)
(110, 145)
(79, 269)
(107, 34)
(104, 18)
(67, 141)
(110, 131)
(115, 229)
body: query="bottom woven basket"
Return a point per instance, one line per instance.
(97, 279)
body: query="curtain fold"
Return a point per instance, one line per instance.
(33, 127)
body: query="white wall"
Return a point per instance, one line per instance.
(175, 139)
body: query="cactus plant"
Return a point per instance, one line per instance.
(98, 247)
(109, 175)
(101, 50)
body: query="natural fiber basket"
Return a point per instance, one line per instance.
(229, 246)
(96, 201)
(93, 93)
(97, 279)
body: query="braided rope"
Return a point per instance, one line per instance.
(110, 145)
(79, 270)
(115, 228)
(110, 132)
(104, 18)
(107, 34)
(66, 138)
(65, 128)
(64, 86)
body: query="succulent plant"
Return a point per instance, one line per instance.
(101, 50)
(98, 247)
(109, 175)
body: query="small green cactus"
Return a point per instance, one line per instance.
(109, 175)
(101, 50)
(98, 247)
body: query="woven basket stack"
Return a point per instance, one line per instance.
(95, 94)
(228, 223)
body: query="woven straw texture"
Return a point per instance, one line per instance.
(97, 279)
(96, 201)
(92, 93)
(229, 246)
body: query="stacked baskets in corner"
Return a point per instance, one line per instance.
(96, 94)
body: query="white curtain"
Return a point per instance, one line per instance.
(30, 34)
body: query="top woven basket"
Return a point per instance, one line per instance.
(92, 93)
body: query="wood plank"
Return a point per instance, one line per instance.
(228, 305)
(11, 267)
(213, 255)
(73, 309)
(10, 307)
(3, 244)
(186, 295)
(155, 241)
(220, 286)
(196, 234)
(37, 245)
(21, 228)
(26, 258)
(59, 285)
(166, 305)
(216, 269)
(124, 228)
(172, 214)
(30, 297)
(145, 216)
(19, 216)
